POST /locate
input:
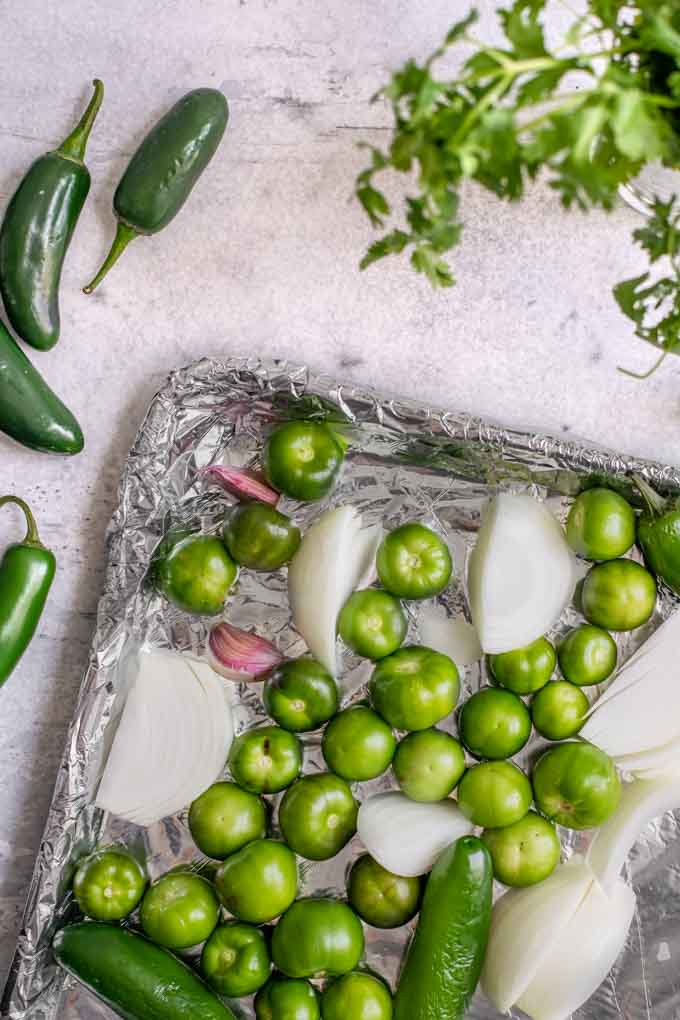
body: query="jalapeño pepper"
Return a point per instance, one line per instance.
(26, 574)
(659, 535)
(164, 169)
(29, 411)
(37, 231)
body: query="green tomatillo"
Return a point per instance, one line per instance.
(372, 623)
(600, 525)
(303, 459)
(194, 572)
(108, 885)
(414, 688)
(576, 785)
(414, 562)
(224, 818)
(235, 959)
(284, 998)
(358, 744)
(559, 710)
(318, 816)
(494, 794)
(428, 765)
(524, 670)
(357, 996)
(317, 937)
(266, 759)
(587, 655)
(524, 853)
(380, 898)
(300, 695)
(494, 723)
(259, 882)
(618, 595)
(179, 910)
(260, 537)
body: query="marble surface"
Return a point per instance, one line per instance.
(263, 260)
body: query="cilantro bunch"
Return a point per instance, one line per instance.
(587, 114)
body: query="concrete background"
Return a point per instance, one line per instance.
(263, 260)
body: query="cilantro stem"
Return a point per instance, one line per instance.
(649, 373)
(568, 103)
(487, 100)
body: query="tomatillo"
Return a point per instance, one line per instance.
(259, 882)
(414, 688)
(224, 818)
(284, 998)
(266, 759)
(300, 695)
(587, 655)
(179, 910)
(303, 459)
(600, 525)
(494, 723)
(618, 595)
(380, 898)
(358, 744)
(195, 573)
(428, 765)
(414, 562)
(317, 937)
(524, 670)
(524, 853)
(235, 959)
(494, 794)
(372, 623)
(357, 996)
(576, 785)
(318, 816)
(109, 884)
(260, 537)
(559, 710)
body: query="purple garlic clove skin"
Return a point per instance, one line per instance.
(242, 484)
(239, 654)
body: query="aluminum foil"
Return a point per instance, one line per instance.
(405, 461)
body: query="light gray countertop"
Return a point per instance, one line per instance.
(263, 260)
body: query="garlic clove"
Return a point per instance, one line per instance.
(242, 484)
(240, 654)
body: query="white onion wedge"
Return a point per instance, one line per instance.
(172, 740)
(582, 955)
(637, 719)
(641, 802)
(539, 913)
(335, 556)
(452, 636)
(405, 836)
(521, 573)
(551, 945)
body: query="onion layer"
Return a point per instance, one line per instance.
(551, 945)
(335, 556)
(637, 719)
(172, 740)
(641, 802)
(406, 836)
(520, 575)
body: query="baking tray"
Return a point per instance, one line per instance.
(405, 461)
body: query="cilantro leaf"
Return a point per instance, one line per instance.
(523, 28)
(392, 244)
(660, 234)
(458, 30)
